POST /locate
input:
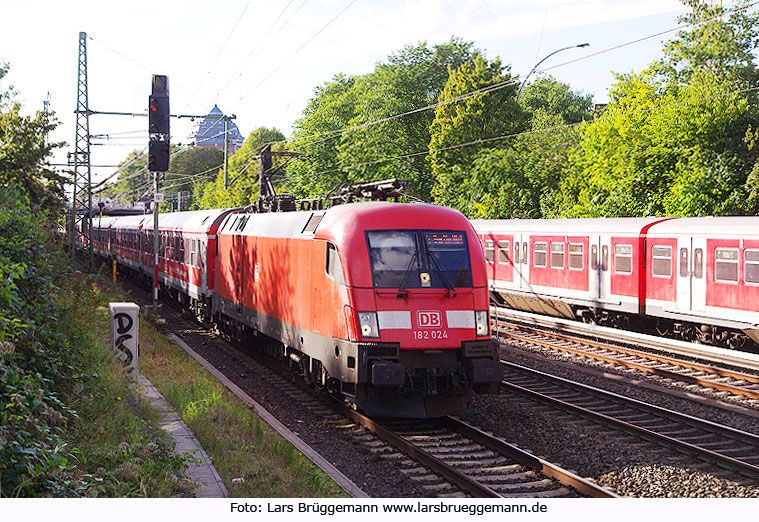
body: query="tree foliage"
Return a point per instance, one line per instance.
(385, 134)
(673, 139)
(24, 152)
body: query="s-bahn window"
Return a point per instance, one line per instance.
(524, 252)
(594, 257)
(622, 259)
(516, 253)
(539, 252)
(489, 251)
(726, 262)
(661, 261)
(576, 256)
(557, 255)
(419, 259)
(683, 262)
(698, 263)
(504, 247)
(751, 266)
(333, 267)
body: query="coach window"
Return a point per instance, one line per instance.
(557, 255)
(661, 261)
(622, 259)
(539, 252)
(193, 256)
(333, 267)
(504, 247)
(490, 251)
(181, 250)
(751, 266)
(683, 262)
(698, 263)
(576, 256)
(726, 262)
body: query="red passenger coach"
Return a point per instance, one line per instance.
(694, 278)
(385, 302)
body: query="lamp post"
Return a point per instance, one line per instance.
(543, 60)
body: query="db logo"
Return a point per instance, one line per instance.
(429, 319)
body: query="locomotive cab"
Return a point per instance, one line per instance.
(418, 321)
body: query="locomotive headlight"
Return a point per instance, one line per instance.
(367, 321)
(482, 321)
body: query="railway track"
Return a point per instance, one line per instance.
(474, 461)
(710, 376)
(711, 443)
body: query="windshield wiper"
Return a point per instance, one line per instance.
(402, 292)
(447, 282)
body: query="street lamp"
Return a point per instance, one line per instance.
(543, 60)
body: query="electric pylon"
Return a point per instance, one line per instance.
(81, 201)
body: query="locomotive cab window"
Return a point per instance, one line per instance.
(539, 253)
(751, 266)
(622, 259)
(489, 250)
(726, 262)
(419, 259)
(333, 267)
(661, 261)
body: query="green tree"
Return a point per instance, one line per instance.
(464, 125)
(556, 98)
(25, 151)
(376, 142)
(675, 139)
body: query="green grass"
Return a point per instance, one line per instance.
(239, 442)
(112, 445)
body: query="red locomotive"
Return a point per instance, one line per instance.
(694, 278)
(386, 303)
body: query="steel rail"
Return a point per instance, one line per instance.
(528, 460)
(628, 427)
(450, 473)
(689, 379)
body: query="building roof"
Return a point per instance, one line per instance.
(211, 131)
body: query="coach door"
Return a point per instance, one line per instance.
(521, 262)
(691, 268)
(599, 275)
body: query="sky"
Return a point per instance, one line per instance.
(261, 60)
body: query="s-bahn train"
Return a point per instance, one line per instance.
(692, 278)
(386, 303)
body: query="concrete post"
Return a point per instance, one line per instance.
(125, 332)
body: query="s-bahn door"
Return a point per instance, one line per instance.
(691, 280)
(599, 275)
(521, 261)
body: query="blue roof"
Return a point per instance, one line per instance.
(211, 131)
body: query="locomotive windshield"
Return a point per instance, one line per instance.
(419, 259)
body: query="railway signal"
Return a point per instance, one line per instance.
(158, 157)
